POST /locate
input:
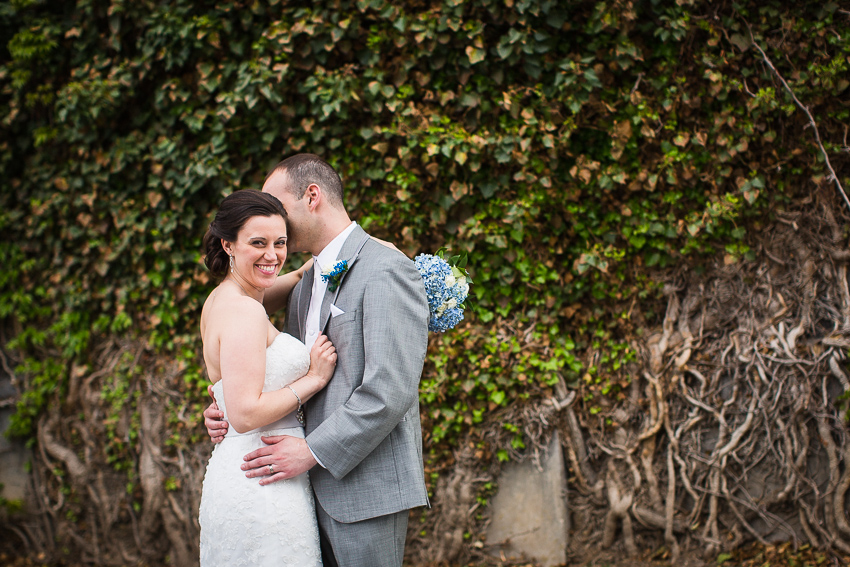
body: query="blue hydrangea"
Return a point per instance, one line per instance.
(446, 292)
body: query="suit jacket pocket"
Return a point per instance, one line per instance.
(344, 319)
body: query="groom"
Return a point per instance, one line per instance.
(363, 443)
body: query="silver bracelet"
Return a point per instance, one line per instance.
(299, 413)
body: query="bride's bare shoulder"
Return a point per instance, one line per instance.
(225, 307)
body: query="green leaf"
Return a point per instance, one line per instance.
(475, 55)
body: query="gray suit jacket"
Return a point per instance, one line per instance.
(364, 426)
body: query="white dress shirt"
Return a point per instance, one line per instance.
(326, 259)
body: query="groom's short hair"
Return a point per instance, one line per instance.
(304, 170)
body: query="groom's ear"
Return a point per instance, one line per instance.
(313, 196)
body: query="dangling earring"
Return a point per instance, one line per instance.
(231, 263)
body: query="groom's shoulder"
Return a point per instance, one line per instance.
(381, 259)
(382, 253)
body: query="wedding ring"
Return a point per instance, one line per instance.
(271, 469)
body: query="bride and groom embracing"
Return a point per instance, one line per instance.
(354, 344)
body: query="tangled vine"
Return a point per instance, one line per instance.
(105, 476)
(735, 426)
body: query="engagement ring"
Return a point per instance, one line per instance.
(271, 469)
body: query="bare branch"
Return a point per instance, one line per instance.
(812, 122)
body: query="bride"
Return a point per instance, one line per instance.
(260, 379)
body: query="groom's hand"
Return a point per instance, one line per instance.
(288, 456)
(216, 428)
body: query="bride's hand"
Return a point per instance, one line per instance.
(322, 360)
(387, 244)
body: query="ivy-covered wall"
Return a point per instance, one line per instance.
(580, 152)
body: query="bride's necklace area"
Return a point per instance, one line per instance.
(234, 280)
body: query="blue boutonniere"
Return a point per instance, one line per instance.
(334, 274)
(447, 287)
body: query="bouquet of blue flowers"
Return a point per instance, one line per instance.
(447, 287)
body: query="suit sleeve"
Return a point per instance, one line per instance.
(395, 339)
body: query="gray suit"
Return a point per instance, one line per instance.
(364, 426)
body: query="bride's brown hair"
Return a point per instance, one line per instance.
(233, 212)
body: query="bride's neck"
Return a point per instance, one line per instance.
(247, 289)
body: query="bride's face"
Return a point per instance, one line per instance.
(259, 251)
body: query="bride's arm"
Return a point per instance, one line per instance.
(243, 370)
(275, 297)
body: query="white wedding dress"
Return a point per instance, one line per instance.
(243, 523)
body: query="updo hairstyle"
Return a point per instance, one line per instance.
(233, 212)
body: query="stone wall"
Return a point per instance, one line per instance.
(529, 514)
(13, 455)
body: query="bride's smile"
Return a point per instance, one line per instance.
(258, 253)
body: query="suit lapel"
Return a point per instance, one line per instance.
(304, 296)
(353, 244)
